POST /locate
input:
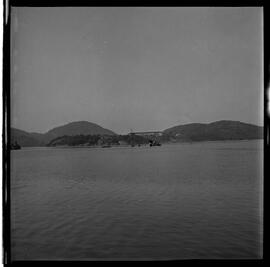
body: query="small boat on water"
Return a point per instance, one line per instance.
(15, 146)
(154, 143)
(105, 146)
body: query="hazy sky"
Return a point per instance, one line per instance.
(135, 68)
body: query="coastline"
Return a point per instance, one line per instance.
(141, 146)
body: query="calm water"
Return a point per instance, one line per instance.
(179, 201)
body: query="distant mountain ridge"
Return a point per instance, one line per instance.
(219, 130)
(26, 139)
(79, 127)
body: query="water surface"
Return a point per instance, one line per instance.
(199, 200)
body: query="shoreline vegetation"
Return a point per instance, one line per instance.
(86, 134)
(136, 146)
(105, 140)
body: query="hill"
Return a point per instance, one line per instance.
(78, 128)
(71, 129)
(219, 130)
(24, 138)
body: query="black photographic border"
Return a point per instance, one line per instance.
(7, 4)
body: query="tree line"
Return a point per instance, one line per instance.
(92, 140)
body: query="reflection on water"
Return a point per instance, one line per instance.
(201, 200)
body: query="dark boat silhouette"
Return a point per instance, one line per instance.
(154, 143)
(15, 146)
(105, 146)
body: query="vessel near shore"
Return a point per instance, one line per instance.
(15, 146)
(154, 143)
(105, 146)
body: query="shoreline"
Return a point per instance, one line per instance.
(142, 145)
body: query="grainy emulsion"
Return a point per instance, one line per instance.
(199, 200)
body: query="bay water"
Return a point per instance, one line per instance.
(178, 201)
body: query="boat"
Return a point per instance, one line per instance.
(15, 146)
(105, 146)
(154, 143)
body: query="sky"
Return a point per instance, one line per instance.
(135, 68)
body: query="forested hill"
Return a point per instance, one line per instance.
(86, 132)
(71, 129)
(219, 130)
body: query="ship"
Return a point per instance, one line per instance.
(15, 146)
(154, 143)
(105, 146)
